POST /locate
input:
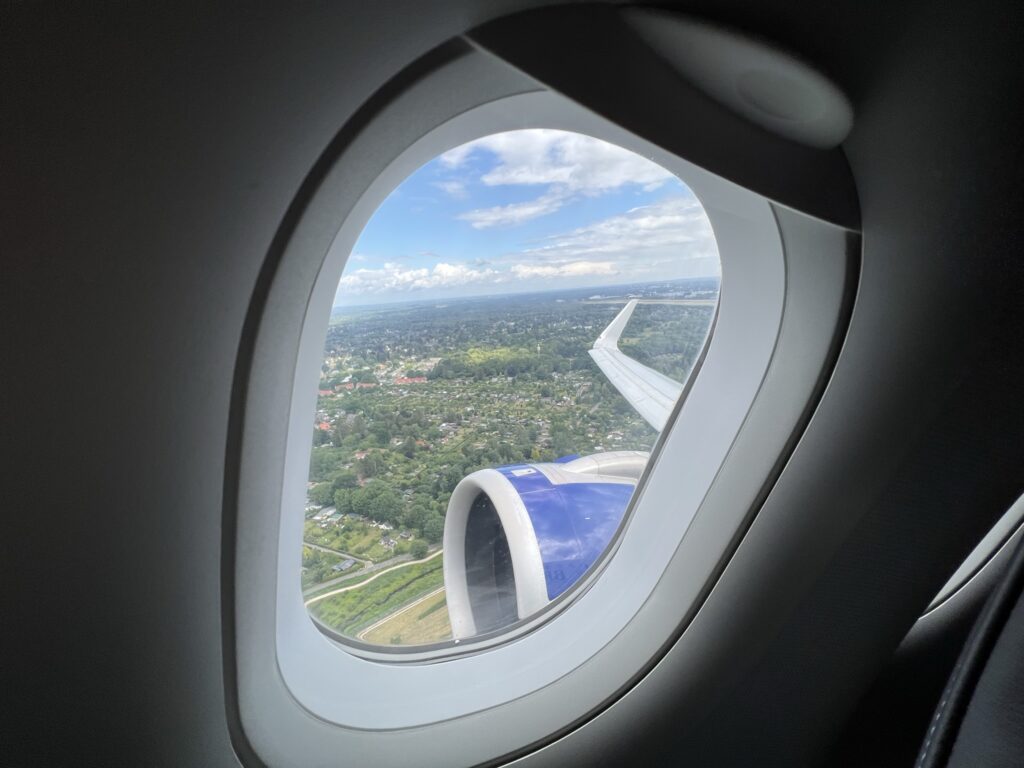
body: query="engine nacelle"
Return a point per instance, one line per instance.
(517, 537)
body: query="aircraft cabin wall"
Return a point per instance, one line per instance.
(148, 157)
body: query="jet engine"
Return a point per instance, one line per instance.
(516, 537)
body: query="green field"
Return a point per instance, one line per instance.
(357, 538)
(498, 381)
(479, 355)
(350, 612)
(417, 625)
(318, 566)
(349, 581)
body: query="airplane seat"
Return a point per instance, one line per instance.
(979, 721)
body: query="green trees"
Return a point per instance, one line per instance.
(451, 478)
(418, 550)
(433, 529)
(322, 494)
(364, 377)
(386, 507)
(323, 460)
(343, 501)
(360, 501)
(382, 432)
(317, 566)
(513, 383)
(372, 464)
(666, 338)
(344, 478)
(376, 501)
(415, 516)
(523, 363)
(562, 443)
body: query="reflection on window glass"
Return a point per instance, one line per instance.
(509, 336)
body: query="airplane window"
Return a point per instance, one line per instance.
(509, 338)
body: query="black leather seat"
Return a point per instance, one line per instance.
(979, 722)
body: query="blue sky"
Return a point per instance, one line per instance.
(528, 210)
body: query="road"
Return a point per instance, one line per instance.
(358, 559)
(362, 635)
(377, 575)
(358, 574)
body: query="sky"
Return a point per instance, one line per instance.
(528, 210)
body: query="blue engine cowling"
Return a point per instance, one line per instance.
(517, 537)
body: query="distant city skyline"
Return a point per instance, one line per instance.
(527, 211)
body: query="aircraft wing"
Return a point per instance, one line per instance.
(652, 394)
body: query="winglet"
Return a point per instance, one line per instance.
(653, 395)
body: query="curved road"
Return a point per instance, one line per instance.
(377, 575)
(368, 567)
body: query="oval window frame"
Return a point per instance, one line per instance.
(483, 640)
(288, 708)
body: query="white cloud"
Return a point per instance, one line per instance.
(666, 240)
(570, 269)
(395, 278)
(675, 227)
(453, 158)
(392, 278)
(514, 213)
(570, 164)
(456, 189)
(583, 164)
(543, 156)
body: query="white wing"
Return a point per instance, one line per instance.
(652, 394)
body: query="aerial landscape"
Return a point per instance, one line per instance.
(461, 340)
(415, 396)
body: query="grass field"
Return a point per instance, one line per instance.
(478, 355)
(356, 578)
(318, 566)
(359, 539)
(350, 612)
(426, 622)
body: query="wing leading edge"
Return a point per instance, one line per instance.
(652, 394)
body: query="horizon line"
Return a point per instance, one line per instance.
(523, 293)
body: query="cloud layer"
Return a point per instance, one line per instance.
(677, 222)
(569, 164)
(393, 278)
(666, 237)
(396, 278)
(629, 246)
(515, 213)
